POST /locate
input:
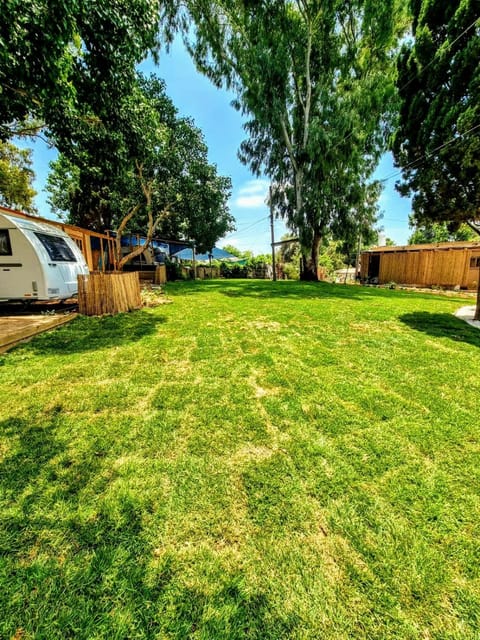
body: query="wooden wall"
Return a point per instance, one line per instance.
(444, 267)
(108, 293)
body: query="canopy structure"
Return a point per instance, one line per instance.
(215, 254)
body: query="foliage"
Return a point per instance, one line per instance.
(439, 232)
(289, 251)
(255, 460)
(235, 251)
(314, 79)
(16, 177)
(249, 266)
(52, 54)
(332, 257)
(437, 143)
(142, 142)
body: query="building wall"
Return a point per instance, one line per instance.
(445, 267)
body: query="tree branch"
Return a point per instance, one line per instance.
(474, 225)
(308, 79)
(288, 144)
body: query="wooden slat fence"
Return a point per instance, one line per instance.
(425, 266)
(108, 293)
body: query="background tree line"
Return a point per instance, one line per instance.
(327, 86)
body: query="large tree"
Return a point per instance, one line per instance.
(143, 169)
(51, 49)
(314, 80)
(437, 143)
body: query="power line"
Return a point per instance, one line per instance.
(231, 235)
(449, 46)
(425, 157)
(417, 75)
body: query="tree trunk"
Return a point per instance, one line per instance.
(477, 310)
(310, 264)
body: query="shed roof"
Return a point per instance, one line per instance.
(425, 247)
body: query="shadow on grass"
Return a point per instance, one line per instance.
(90, 333)
(81, 560)
(442, 325)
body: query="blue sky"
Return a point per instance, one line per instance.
(195, 96)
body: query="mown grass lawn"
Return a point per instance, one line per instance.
(254, 460)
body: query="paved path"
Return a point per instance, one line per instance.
(467, 313)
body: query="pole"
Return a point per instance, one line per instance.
(194, 263)
(477, 308)
(357, 260)
(272, 233)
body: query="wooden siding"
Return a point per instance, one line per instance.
(444, 266)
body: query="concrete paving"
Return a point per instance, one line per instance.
(466, 314)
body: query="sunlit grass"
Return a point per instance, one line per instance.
(254, 460)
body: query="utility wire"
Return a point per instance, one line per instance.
(425, 157)
(231, 235)
(417, 75)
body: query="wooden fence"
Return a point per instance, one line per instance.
(108, 293)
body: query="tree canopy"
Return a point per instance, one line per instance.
(315, 81)
(125, 156)
(16, 177)
(51, 52)
(430, 232)
(106, 164)
(437, 143)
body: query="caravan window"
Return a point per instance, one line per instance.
(57, 249)
(5, 246)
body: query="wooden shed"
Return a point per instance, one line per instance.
(443, 264)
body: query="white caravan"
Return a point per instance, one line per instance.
(37, 261)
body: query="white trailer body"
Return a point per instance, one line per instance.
(37, 261)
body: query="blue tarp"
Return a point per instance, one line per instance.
(162, 245)
(215, 253)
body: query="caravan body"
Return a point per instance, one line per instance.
(37, 261)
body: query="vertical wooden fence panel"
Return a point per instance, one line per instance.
(108, 293)
(160, 274)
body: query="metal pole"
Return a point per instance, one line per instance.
(357, 259)
(272, 232)
(194, 263)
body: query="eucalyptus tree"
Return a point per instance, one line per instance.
(314, 79)
(437, 143)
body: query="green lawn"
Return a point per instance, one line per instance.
(255, 460)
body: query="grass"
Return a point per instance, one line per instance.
(254, 460)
